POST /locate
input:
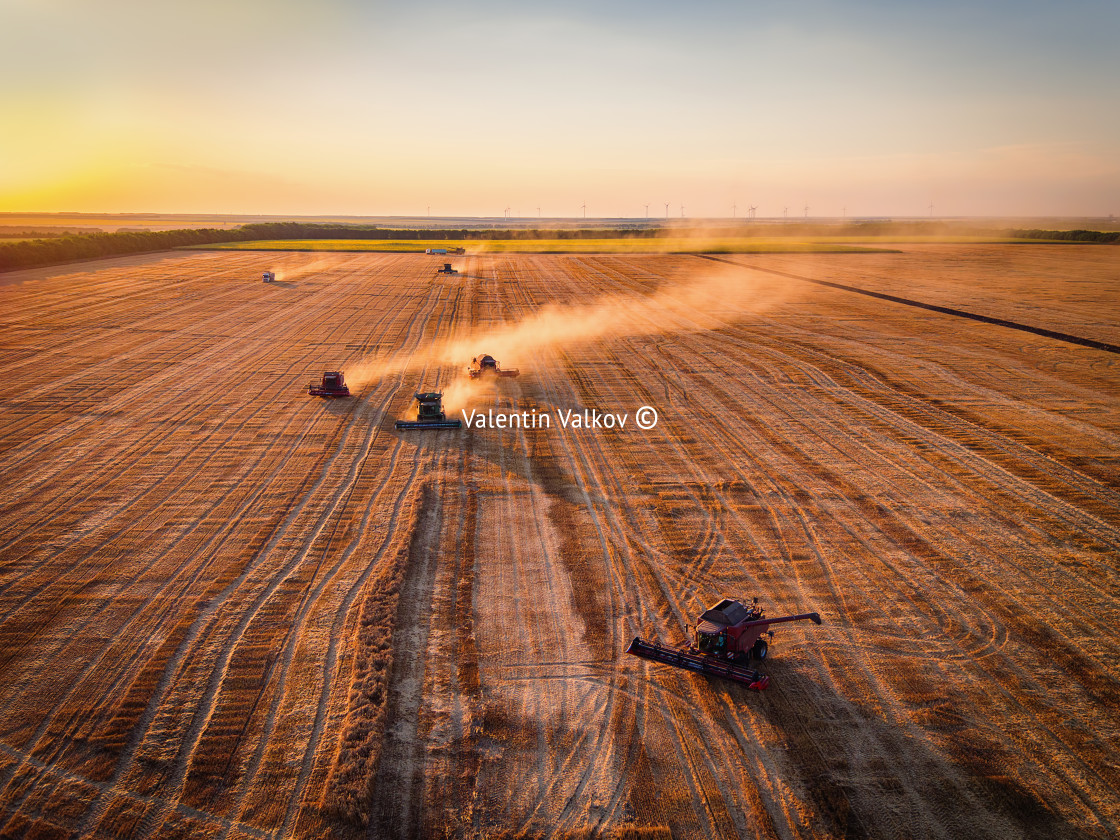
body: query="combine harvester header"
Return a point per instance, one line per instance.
(726, 638)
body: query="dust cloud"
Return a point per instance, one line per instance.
(464, 391)
(709, 301)
(289, 271)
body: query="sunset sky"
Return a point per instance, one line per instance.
(864, 107)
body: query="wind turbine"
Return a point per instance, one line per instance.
(647, 211)
(785, 212)
(752, 210)
(733, 207)
(584, 207)
(666, 209)
(806, 211)
(682, 211)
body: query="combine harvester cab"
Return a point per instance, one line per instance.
(485, 365)
(268, 277)
(333, 384)
(429, 413)
(726, 639)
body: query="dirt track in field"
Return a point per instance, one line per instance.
(231, 610)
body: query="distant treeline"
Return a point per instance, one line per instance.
(300, 230)
(62, 249)
(1068, 235)
(39, 233)
(91, 246)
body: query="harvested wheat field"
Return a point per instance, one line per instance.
(229, 609)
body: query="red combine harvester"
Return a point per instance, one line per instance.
(727, 637)
(429, 413)
(488, 366)
(333, 384)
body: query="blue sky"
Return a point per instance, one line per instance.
(863, 108)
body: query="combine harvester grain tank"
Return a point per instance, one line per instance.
(726, 639)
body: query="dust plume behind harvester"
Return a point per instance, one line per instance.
(703, 299)
(485, 365)
(726, 639)
(332, 384)
(429, 413)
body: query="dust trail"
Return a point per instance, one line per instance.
(464, 391)
(708, 301)
(287, 271)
